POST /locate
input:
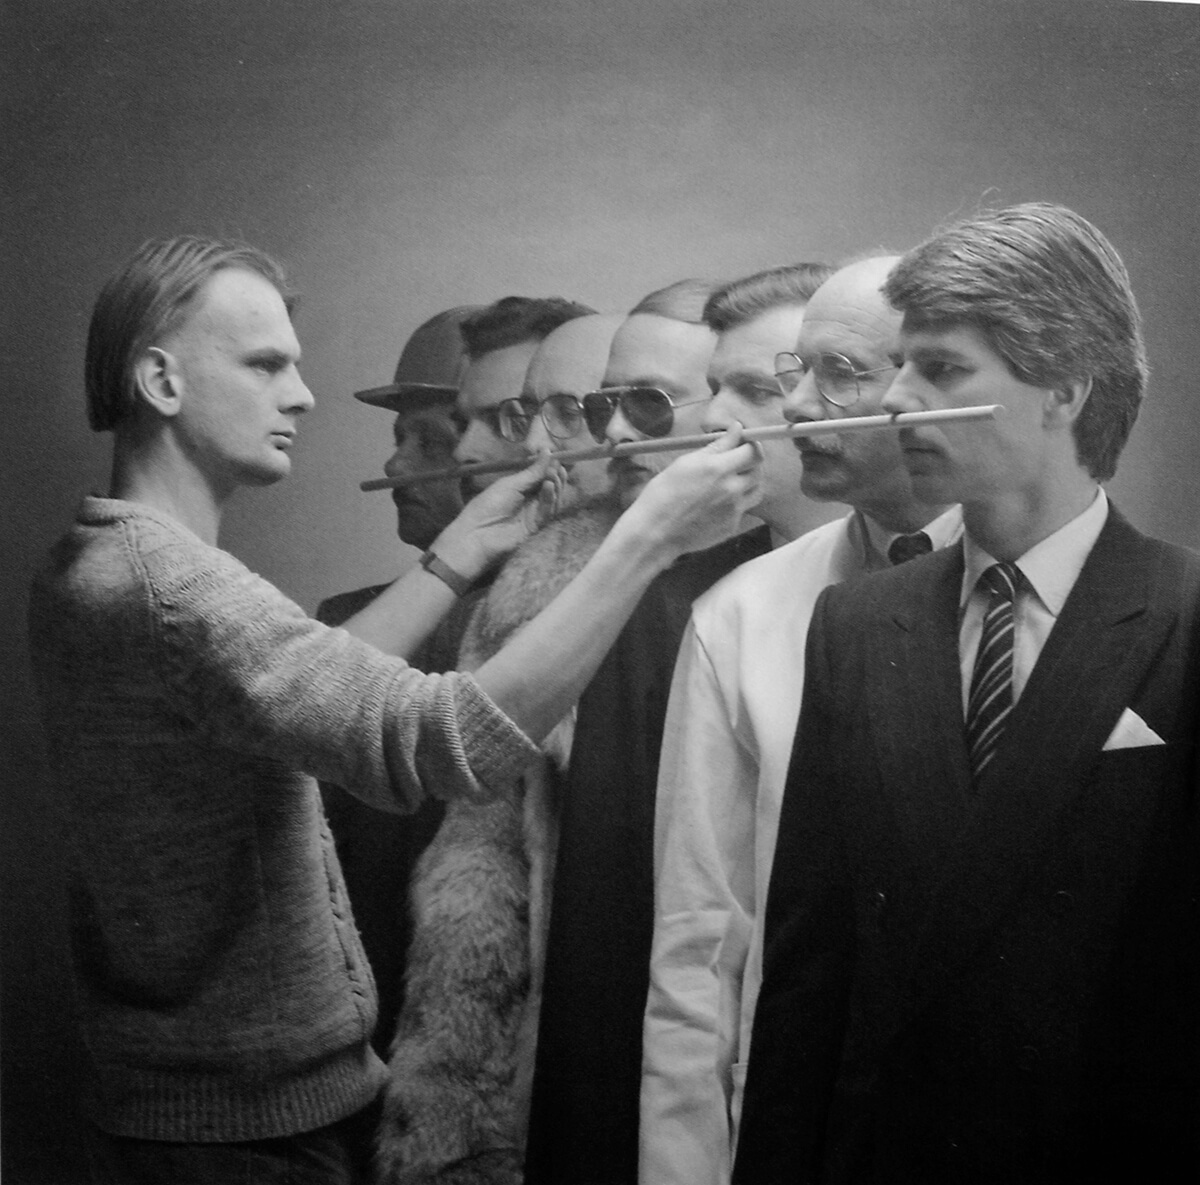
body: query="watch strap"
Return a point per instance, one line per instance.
(455, 581)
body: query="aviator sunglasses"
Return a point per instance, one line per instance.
(649, 410)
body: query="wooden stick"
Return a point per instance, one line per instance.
(680, 443)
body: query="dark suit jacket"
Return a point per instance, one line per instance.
(1000, 984)
(583, 1126)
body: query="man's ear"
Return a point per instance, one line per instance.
(156, 379)
(1066, 401)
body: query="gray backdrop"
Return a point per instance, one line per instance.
(406, 155)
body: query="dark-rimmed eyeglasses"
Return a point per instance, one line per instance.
(649, 410)
(511, 419)
(834, 374)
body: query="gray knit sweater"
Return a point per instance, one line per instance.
(188, 706)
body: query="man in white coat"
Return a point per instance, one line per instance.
(735, 699)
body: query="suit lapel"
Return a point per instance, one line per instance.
(915, 698)
(1089, 671)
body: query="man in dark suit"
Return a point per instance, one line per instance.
(982, 957)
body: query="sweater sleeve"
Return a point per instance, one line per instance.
(704, 833)
(252, 672)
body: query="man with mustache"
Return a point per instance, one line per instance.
(731, 720)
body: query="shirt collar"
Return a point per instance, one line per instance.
(1052, 566)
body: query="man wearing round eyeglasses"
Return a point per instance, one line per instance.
(732, 715)
(501, 341)
(568, 364)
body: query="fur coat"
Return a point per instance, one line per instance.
(461, 1064)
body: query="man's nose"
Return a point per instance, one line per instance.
(804, 402)
(718, 414)
(620, 430)
(469, 444)
(299, 397)
(399, 462)
(902, 394)
(539, 439)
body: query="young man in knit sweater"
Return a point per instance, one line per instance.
(188, 704)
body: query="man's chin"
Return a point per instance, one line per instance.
(627, 490)
(824, 483)
(628, 481)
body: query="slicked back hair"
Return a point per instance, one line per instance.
(144, 301)
(742, 300)
(682, 301)
(1053, 299)
(516, 319)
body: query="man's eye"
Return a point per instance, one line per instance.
(936, 372)
(760, 396)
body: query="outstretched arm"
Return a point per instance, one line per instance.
(696, 502)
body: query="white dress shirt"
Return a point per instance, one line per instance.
(1050, 568)
(727, 743)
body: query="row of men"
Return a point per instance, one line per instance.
(528, 374)
(925, 929)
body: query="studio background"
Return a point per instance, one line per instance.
(402, 156)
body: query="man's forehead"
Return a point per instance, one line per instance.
(856, 330)
(573, 357)
(496, 376)
(234, 303)
(653, 349)
(942, 337)
(752, 345)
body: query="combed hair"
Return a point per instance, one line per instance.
(1053, 299)
(682, 301)
(144, 301)
(742, 300)
(515, 319)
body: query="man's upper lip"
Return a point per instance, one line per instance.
(910, 442)
(806, 445)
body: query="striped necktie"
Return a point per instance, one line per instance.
(991, 698)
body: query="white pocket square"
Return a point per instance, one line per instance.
(1132, 732)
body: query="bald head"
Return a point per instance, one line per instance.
(852, 298)
(572, 358)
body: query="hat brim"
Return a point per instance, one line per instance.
(394, 397)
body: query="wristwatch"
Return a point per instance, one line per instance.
(435, 566)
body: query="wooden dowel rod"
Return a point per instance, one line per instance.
(670, 444)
